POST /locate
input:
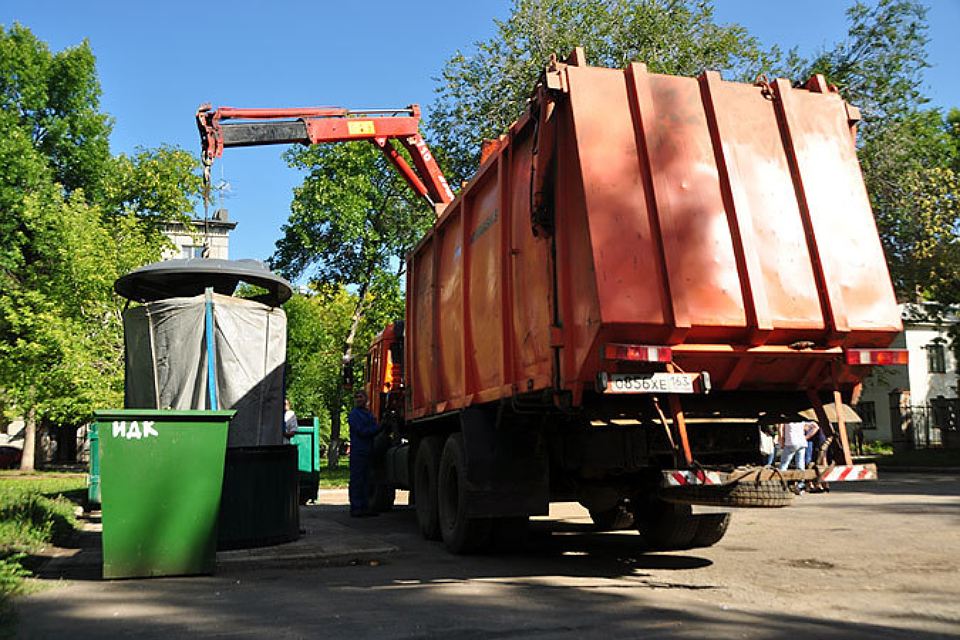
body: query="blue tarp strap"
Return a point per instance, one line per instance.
(211, 351)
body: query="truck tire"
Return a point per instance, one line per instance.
(766, 493)
(425, 469)
(665, 526)
(711, 527)
(460, 534)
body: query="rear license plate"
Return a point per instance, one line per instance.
(653, 383)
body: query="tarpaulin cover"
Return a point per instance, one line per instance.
(166, 362)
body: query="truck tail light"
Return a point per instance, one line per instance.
(637, 353)
(877, 356)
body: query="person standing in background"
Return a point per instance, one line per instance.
(768, 444)
(363, 428)
(289, 422)
(793, 444)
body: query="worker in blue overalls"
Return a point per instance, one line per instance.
(363, 427)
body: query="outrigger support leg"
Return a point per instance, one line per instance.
(680, 424)
(841, 423)
(839, 434)
(824, 423)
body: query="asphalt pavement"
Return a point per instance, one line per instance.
(867, 560)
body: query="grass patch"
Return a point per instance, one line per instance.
(336, 477)
(936, 458)
(877, 448)
(36, 510)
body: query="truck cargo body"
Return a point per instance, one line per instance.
(627, 213)
(695, 213)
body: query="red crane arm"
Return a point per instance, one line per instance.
(254, 127)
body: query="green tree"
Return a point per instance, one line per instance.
(352, 221)
(879, 65)
(909, 164)
(317, 327)
(156, 185)
(480, 92)
(61, 352)
(74, 219)
(56, 99)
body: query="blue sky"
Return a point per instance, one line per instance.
(159, 60)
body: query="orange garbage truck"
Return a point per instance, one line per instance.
(644, 271)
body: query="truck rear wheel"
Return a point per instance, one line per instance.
(666, 526)
(460, 533)
(425, 470)
(711, 527)
(766, 493)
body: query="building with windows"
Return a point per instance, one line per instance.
(200, 238)
(926, 389)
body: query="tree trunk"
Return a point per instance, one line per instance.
(28, 461)
(333, 454)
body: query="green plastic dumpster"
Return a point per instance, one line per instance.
(307, 441)
(160, 479)
(93, 478)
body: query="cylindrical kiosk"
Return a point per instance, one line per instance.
(193, 345)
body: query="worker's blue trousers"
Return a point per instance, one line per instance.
(359, 479)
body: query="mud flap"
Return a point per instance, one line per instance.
(507, 468)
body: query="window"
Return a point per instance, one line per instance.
(936, 357)
(192, 251)
(868, 414)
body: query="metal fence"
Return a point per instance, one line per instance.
(934, 425)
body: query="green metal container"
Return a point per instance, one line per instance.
(160, 480)
(93, 478)
(307, 441)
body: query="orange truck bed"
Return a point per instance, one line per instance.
(725, 220)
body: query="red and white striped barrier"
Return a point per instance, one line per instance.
(850, 472)
(690, 477)
(681, 478)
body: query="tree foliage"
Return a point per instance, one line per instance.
(910, 164)
(318, 324)
(879, 65)
(155, 185)
(481, 91)
(74, 219)
(352, 221)
(352, 216)
(55, 98)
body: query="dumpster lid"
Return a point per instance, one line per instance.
(189, 277)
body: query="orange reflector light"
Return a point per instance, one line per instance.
(877, 356)
(637, 353)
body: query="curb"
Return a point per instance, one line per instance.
(242, 558)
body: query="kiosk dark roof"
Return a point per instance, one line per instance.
(190, 277)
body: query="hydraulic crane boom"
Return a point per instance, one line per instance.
(313, 125)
